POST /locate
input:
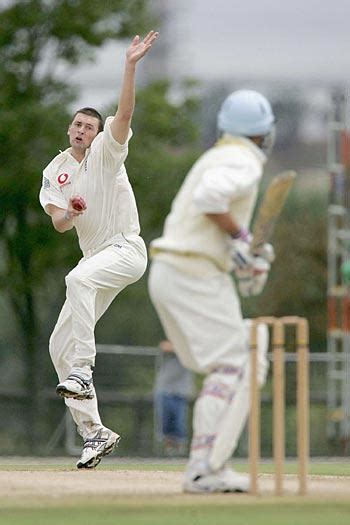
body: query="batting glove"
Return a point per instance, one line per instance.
(266, 251)
(240, 251)
(252, 281)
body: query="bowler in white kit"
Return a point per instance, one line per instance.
(86, 187)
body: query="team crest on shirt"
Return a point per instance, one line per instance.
(62, 179)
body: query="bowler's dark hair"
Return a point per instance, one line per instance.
(92, 113)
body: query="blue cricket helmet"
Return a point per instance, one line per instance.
(247, 113)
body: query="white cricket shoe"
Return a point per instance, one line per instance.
(95, 447)
(78, 384)
(224, 480)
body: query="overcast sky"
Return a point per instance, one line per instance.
(308, 39)
(273, 40)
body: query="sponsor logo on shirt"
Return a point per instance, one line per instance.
(62, 179)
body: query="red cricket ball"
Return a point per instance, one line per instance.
(77, 205)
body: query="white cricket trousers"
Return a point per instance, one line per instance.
(202, 318)
(91, 287)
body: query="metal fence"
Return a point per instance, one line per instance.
(142, 399)
(124, 379)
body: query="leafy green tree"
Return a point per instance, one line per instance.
(298, 281)
(163, 148)
(35, 37)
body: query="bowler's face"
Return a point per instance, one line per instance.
(82, 131)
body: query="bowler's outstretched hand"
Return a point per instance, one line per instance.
(138, 48)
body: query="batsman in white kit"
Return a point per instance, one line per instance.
(86, 187)
(206, 238)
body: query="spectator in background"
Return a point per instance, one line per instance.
(174, 388)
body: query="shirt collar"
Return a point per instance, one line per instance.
(68, 154)
(228, 139)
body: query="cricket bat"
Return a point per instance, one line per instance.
(270, 208)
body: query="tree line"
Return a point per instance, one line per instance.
(35, 37)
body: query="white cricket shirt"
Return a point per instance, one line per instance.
(101, 179)
(224, 179)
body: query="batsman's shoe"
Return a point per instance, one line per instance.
(224, 480)
(78, 384)
(100, 444)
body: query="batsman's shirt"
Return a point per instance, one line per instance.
(224, 179)
(101, 179)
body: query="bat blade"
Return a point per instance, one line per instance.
(271, 207)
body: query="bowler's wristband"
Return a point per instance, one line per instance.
(67, 216)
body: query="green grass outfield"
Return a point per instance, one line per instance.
(179, 509)
(165, 512)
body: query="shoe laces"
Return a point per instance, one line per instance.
(96, 440)
(83, 381)
(93, 443)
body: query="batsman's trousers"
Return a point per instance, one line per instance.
(202, 318)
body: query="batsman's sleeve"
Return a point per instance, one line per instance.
(221, 185)
(50, 193)
(114, 154)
